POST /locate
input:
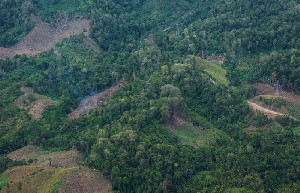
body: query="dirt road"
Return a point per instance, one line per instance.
(269, 113)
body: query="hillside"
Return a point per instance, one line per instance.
(62, 175)
(43, 37)
(149, 96)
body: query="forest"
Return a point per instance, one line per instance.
(160, 48)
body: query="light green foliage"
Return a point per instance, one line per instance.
(239, 190)
(214, 69)
(197, 136)
(3, 180)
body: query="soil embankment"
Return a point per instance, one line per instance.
(44, 36)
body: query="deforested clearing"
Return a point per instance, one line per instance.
(33, 103)
(44, 36)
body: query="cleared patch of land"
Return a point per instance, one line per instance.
(43, 36)
(215, 70)
(268, 91)
(84, 180)
(34, 179)
(269, 113)
(92, 102)
(192, 135)
(28, 179)
(71, 158)
(64, 175)
(33, 103)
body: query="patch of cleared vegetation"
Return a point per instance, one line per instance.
(41, 180)
(64, 175)
(33, 103)
(212, 68)
(84, 180)
(189, 134)
(197, 137)
(39, 157)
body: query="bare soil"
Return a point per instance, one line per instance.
(33, 102)
(92, 102)
(84, 180)
(41, 176)
(178, 119)
(269, 91)
(71, 158)
(19, 172)
(44, 36)
(269, 113)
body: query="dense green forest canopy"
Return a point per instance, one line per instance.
(156, 46)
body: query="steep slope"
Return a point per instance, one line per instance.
(51, 172)
(43, 37)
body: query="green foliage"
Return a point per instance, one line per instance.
(198, 137)
(14, 21)
(214, 69)
(3, 180)
(276, 102)
(286, 121)
(260, 120)
(51, 9)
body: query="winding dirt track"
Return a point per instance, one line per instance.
(269, 113)
(43, 36)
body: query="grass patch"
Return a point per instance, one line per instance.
(54, 182)
(195, 136)
(216, 71)
(3, 180)
(42, 181)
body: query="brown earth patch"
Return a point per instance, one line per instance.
(19, 172)
(43, 36)
(34, 179)
(84, 180)
(92, 102)
(270, 114)
(33, 103)
(71, 158)
(178, 119)
(28, 179)
(281, 110)
(64, 175)
(269, 91)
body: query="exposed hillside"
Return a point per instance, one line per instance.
(180, 122)
(43, 37)
(51, 172)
